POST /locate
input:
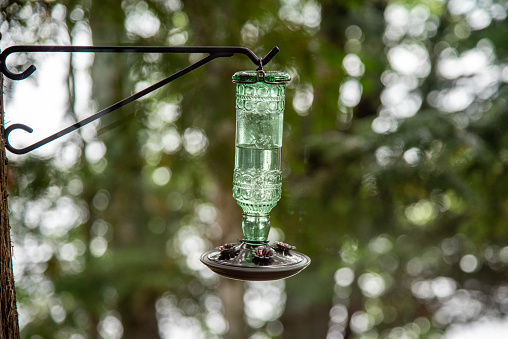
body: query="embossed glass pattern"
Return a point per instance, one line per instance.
(257, 177)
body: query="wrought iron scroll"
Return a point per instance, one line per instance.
(213, 53)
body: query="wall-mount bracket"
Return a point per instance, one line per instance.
(213, 53)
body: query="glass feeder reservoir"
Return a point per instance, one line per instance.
(257, 178)
(257, 182)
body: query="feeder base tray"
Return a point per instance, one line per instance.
(249, 262)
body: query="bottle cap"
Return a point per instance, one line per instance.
(270, 77)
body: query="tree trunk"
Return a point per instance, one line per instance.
(136, 303)
(9, 327)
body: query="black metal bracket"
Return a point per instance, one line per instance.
(213, 53)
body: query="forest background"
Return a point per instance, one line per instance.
(395, 169)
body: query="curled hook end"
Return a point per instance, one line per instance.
(11, 128)
(269, 56)
(23, 75)
(3, 65)
(13, 76)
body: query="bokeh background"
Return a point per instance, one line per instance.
(395, 163)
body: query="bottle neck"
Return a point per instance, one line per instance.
(256, 228)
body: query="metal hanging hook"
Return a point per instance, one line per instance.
(213, 53)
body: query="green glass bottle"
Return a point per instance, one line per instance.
(257, 177)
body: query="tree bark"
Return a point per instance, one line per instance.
(9, 327)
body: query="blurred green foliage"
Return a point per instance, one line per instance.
(394, 164)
